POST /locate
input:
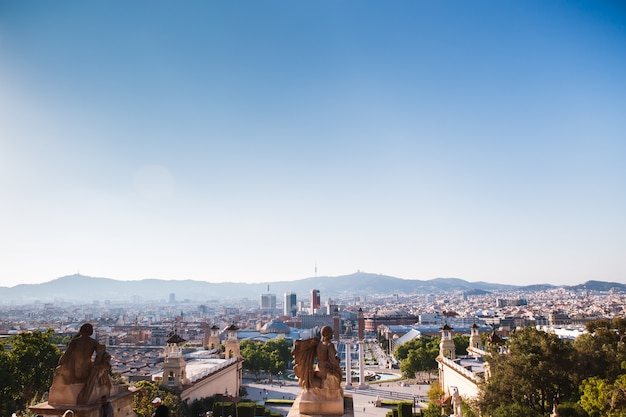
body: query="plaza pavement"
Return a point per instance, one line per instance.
(363, 399)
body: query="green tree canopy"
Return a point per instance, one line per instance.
(251, 352)
(27, 369)
(461, 343)
(279, 355)
(601, 363)
(272, 356)
(595, 398)
(418, 355)
(9, 388)
(601, 351)
(534, 374)
(148, 391)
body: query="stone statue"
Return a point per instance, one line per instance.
(78, 380)
(328, 363)
(98, 379)
(321, 383)
(456, 403)
(327, 373)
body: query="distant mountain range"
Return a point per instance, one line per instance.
(88, 289)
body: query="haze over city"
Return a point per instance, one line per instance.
(266, 141)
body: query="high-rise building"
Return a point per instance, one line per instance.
(316, 303)
(290, 304)
(268, 301)
(331, 306)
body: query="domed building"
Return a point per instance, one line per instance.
(275, 326)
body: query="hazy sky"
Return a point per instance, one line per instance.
(251, 140)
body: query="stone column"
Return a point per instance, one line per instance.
(362, 383)
(361, 326)
(336, 325)
(349, 364)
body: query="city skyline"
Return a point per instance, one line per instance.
(257, 142)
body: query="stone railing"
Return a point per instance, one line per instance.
(214, 369)
(461, 369)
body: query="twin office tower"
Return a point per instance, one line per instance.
(290, 303)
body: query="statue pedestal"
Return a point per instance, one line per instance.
(315, 402)
(122, 407)
(62, 395)
(67, 395)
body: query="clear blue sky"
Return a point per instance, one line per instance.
(252, 140)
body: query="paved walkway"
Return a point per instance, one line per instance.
(363, 398)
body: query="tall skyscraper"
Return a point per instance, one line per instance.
(290, 304)
(331, 306)
(268, 301)
(316, 304)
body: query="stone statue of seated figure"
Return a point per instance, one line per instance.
(99, 381)
(321, 383)
(78, 380)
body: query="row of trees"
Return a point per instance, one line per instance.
(272, 357)
(586, 378)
